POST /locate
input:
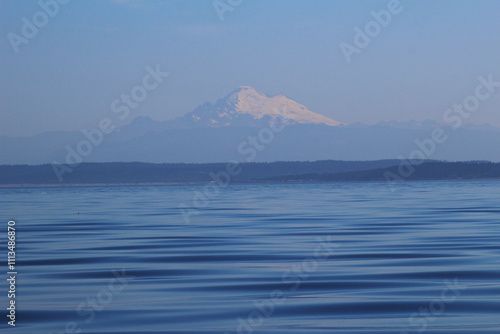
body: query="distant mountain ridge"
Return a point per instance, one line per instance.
(227, 129)
(246, 107)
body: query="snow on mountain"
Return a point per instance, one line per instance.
(247, 106)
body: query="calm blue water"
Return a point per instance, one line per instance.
(309, 258)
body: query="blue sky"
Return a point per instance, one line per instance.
(65, 78)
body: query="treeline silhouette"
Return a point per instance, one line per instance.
(136, 172)
(292, 171)
(430, 170)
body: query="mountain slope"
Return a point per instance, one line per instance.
(234, 128)
(248, 107)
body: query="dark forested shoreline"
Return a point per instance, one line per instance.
(294, 171)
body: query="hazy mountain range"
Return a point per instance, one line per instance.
(247, 125)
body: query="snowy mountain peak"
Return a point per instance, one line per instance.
(245, 93)
(247, 106)
(247, 89)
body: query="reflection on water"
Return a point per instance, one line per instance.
(309, 258)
